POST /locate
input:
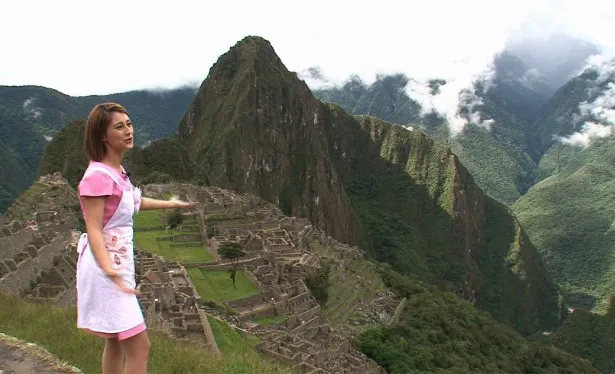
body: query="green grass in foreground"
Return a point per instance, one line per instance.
(217, 285)
(54, 329)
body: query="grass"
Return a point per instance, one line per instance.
(273, 320)
(323, 251)
(147, 240)
(54, 329)
(229, 340)
(148, 218)
(217, 285)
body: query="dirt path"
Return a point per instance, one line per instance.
(18, 357)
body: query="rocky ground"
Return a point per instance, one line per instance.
(17, 357)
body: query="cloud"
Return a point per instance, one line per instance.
(457, 100)
(166, 46)
(162, 91)
(30, 110)
(589, 131)
(316, 79)
(27, 102)
(598, 114)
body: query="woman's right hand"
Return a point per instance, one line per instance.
(116, 277)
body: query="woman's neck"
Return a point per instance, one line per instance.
(114, 160)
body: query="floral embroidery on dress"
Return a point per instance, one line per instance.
(119, 256)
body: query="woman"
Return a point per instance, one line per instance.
(107, 303)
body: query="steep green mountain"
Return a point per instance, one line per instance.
(161, 161)
(15, 176)
(386, 98)
(31, 115)
(65, 153)
(255, 127)
(569, 215)
(155, 113)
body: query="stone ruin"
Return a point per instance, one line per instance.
(38, 250)
(38, 259)
(40, 263)
(279, 255)
(170, 302)
(51, 198)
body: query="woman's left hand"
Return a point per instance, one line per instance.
(149, 204)
(184, 204)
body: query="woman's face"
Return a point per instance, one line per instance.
(119, 135)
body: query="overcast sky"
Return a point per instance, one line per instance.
(100, 47)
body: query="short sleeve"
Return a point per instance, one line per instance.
(96, 183)
(136, 193)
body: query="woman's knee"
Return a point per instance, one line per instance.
(113, 345)
(146, 344)
(138, 344)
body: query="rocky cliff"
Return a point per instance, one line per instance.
(254, 126)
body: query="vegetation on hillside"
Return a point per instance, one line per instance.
(14, 176)
(569, 217)
(590, 336)
(65, 153)
(438, 332)
(318, 283)
(508, 264)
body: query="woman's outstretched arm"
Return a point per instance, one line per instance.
(150, 204)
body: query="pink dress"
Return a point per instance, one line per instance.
(102, 307)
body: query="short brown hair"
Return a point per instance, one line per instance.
(96, 128)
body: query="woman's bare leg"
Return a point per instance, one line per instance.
(137, 352)
(113, 357)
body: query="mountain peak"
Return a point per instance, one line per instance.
(250, 54)
(254, 43)
(245, 84)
